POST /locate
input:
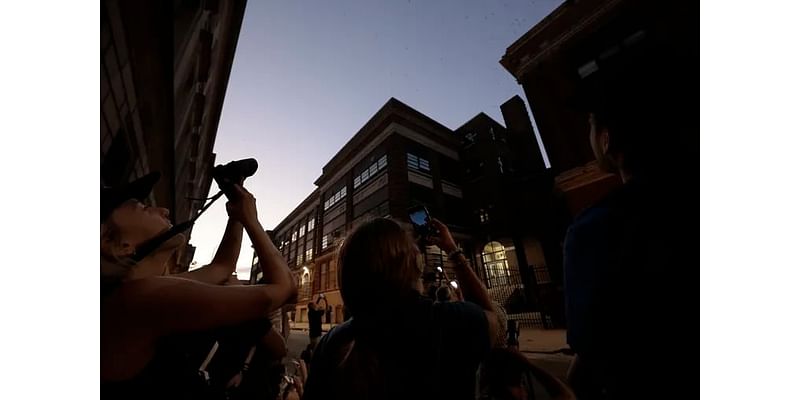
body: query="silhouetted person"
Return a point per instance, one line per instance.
(443, 294)
(398, 343)
(629, 260)
(315, 313)
(147, 314)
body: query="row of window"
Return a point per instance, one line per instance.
(335, 198)
(417, 162)
(369, 172)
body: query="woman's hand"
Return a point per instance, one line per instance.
(243, 207)
(442, 237)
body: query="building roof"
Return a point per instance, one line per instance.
(392, 107)
(567, 20)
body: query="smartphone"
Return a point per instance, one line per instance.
(420, 218)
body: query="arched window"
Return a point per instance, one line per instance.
(496, 264)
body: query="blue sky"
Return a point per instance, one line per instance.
(308, 74)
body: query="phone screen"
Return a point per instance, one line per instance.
(419, 218)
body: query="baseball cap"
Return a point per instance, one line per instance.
(112, 197)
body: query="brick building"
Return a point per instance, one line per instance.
(580, 39)
(487, 182)
(164, 69)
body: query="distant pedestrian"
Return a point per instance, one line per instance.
(315, 313)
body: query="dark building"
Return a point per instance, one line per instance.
(164, 69)
(580, 39)
(517, 223)
(485, 181)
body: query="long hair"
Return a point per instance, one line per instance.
(377, 263)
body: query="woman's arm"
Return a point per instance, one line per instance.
(273, 266)
(471, 286)
(165, 304)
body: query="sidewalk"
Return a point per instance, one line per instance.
(536, 343)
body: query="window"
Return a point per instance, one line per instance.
(299, 259)
(324, 279)
(302, 231)
(418, 163)
(471, 137)
(412, 161)
(483, 215)
(331, 277)
(294, 237)
(311, 225)
(369, 172)
(309, 253)
(496, 265)
(423, 165)
(325, 241)
(339, 195)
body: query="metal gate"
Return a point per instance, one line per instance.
(507, 288)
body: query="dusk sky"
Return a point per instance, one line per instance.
(307, 75)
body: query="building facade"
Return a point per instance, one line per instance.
(580, 39)
(164, 69)
(485, 181)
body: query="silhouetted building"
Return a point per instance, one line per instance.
(580, 39)
(164, 69)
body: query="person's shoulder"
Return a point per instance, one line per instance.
(461, 310)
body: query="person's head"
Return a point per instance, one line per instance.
(637, 112)
(312, 306)
(126, 222)
(443, 294)
(377, 263)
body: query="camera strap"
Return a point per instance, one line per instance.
(153, 244)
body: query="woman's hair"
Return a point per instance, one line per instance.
(113, 269)
(377, 263)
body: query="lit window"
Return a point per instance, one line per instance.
(302, 231)
(382, 162)
(483, 216)
(299, 259)
(373, 169)
(294, 237)
(309, 253)
(311, 225)
(325, 241)
(357, 181)
(424, 165)
(365, 175)
(412, 161)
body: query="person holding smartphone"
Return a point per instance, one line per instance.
(398, 343)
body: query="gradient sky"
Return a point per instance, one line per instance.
(308, 74)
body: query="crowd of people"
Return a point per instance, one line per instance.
(200, 335)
